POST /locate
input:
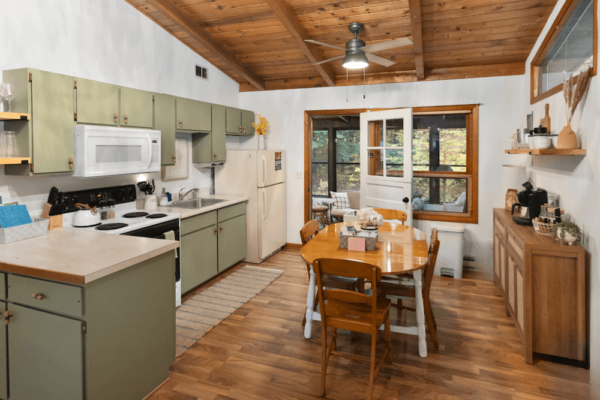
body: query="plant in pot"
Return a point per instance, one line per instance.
(567, 232)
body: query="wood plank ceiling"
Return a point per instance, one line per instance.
(260, 43)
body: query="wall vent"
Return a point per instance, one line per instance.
(201, 72)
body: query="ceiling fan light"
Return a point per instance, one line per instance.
(356, 60)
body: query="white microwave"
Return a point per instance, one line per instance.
(107, 151)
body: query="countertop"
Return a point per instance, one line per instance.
(73, 256)
(190, 212)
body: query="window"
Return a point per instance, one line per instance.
(386, 153)
(201, 72)
(445, 163)
(570, 47)
(335, 155)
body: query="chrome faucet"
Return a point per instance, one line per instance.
(186, 193)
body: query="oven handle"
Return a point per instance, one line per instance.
(149, 151)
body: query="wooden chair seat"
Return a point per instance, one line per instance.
(389, 215)
(356, 317)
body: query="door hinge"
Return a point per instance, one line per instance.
(74, 84)
(7, 316)
(30, 77)
(75, 117)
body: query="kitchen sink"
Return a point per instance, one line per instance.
(197, 203)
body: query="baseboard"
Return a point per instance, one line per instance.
(293, 246)
(156, 389)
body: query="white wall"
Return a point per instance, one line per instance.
(576, 180)
(499, 98)
(108, 41)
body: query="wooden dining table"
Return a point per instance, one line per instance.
(400, 250)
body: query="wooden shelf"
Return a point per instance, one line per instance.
(15, 160)
(548, 152)
(11, 116)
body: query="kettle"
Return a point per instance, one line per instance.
(532, 198)
(86, 216)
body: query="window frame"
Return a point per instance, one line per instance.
(472, 168)
(559, 23)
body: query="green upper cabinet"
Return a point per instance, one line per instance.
(247, 120)
(97, 102)
(48, 137)
(233, 118)
(193, 115)
(136, 108)
(210, 147)
(164, 121)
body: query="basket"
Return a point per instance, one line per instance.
(38, 227)
(543, 228)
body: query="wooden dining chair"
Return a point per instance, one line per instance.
(405, 288)
(357, 312)
(307, 232)
(388, 214)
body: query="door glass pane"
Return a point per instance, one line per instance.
(573, 49)
(320, 146)
(440, 142)
(394, 133)
(320, 180)
(394, 162)
(440, 194)
(375, 163)
(347, 144)
(375, 134)
(347, 177)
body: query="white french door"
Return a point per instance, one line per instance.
(386, 169)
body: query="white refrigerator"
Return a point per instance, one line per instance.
(259, 175)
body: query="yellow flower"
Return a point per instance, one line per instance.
(262, 127)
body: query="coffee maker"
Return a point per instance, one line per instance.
(533, 199)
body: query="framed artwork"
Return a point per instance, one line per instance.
(180, 170)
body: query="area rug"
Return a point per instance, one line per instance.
(207, 309)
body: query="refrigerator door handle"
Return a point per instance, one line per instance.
(265, 204)
(264, 171)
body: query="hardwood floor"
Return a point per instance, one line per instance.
(259, 352)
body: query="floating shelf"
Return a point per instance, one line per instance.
(15, 160)
(11, 116)
(548, 152)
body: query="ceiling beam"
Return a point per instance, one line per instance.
(167, 8)
(414, 7)
(288, 18)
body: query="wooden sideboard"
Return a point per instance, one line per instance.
(543, 284)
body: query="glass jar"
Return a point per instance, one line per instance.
(8, 144)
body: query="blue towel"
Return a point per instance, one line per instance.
(14, 216)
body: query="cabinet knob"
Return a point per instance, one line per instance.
(7, 316)
(116, 117)
(241, 128)
(126, 118)
(221, 229)
(174, 157)
(216, 231)
(70, 163)
(244, 129)
(38, 296)
(180, 123)
(215, 156)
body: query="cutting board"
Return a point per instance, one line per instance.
(546, 121)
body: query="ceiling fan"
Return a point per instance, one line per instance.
(358, 54)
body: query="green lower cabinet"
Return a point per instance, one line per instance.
(136, 108)
(3, 358)
(97, 102)
(198, 257)
(232, 242)
(164, 121)
(45, 355)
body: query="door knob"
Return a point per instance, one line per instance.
(406, 200)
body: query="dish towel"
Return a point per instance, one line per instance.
(170, 235)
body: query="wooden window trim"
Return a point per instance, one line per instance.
(472, 174)
(558, 24)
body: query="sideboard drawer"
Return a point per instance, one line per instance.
(516, 245)
(45, 295)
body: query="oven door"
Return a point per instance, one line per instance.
(102, 151)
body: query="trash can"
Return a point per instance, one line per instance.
(450, 255)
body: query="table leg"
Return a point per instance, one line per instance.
(420, 313)
(310, 303)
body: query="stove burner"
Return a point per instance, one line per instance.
(153, 216)
(87, 226)
(135, 214)
(110, 227)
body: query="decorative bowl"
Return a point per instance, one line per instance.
(542, 142)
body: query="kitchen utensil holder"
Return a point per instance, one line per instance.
(55, 221)
(38, 227)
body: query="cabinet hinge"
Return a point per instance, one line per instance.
(30, 77)
(74, 84)
(75, 117)
(83, 328)
(31, 168)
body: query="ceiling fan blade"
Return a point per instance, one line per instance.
(324, 44)
(379, 60)
(390, 44)
(331, 59)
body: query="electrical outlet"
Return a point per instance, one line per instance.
(298, 175)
